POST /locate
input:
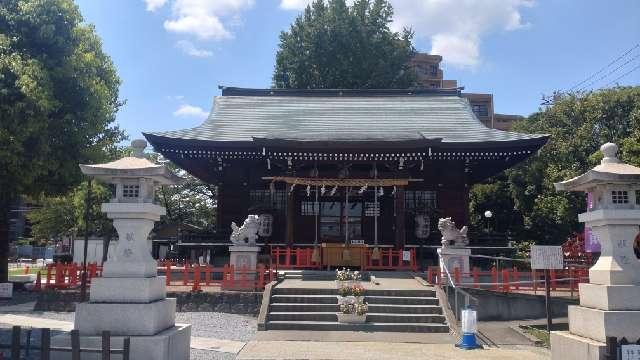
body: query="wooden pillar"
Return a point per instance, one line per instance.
(400, 221)
(291, 211)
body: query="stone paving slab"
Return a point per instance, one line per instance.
(354, 336)
(377, 350)
(221, 345)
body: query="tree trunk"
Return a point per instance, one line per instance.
(5, 211)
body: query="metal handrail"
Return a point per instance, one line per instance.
(467, 296)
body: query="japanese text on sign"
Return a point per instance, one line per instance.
(546, 257)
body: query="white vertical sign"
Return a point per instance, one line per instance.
(546, 257)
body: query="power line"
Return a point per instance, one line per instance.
(623, 75)
(610, 72)
(605, 67)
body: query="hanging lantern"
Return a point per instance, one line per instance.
(308, 190)
(323, 190)
(381, 191)
(265, 222)
(333, 191)
(423, 226)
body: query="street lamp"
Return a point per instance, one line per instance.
(488, 215)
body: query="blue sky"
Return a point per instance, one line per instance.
(172, 54)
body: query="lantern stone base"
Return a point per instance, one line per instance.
(125, 319)
(128, 290)
(170, 344)
(599, 324)
(567, 346)
(610, 297)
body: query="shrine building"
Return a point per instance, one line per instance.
(366, 168)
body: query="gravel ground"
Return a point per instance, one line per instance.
(204, 324)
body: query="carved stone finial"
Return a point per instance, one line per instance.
(610, 151)
(138, 146)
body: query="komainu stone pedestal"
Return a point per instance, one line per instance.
(244, 257)
(452, 258)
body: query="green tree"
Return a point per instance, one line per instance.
(578, 124)
(58, 101)
(333, 45)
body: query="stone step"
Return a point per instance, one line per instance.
(369, 326)
(305, 299)
(372, 317)
(374, 308)
(370, 292)
(401, 300)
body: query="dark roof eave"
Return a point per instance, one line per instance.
(157, 140)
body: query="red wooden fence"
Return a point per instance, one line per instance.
(512, 280)
(227, 277)
(301, 258)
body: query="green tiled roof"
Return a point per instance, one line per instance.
(444, 117)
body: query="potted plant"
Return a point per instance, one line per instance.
(344, 295)
(343, 278)
(353, 313)
(357, 291)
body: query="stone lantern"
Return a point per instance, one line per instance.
(129, 300)
(610, 302)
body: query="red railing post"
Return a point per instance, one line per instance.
(516, 278)
(288, 257)
(49, 274)
(430, 275)
(494, 278)
(553, 280)
(505, 280)
(456, 276)
(390, 258)
(534, 282)
(196, 279)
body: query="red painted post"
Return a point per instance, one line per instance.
(167, 273)
(49, 267)
(505, 280)
(196, 279)
(390, 259)
(476, 277)
(494, 278)
(430, 275)
(553, 280)
(534, 282)
(288, 257)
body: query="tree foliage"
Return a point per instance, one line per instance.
(58, 101)
(578, 124)
(333, 45)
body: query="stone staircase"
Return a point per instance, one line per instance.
(389, 310)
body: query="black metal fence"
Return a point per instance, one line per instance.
(25, 350)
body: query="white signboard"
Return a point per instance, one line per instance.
(546, 257)
(406, 256)
(6, 290)
(357, 242)
(630, 352)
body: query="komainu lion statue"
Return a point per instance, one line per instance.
(451, 236)
(247, 234)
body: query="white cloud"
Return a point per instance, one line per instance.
(454, 27)
(205, 18)
(186, 110)
(153, 5)
(190, 49)
(294, 4)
